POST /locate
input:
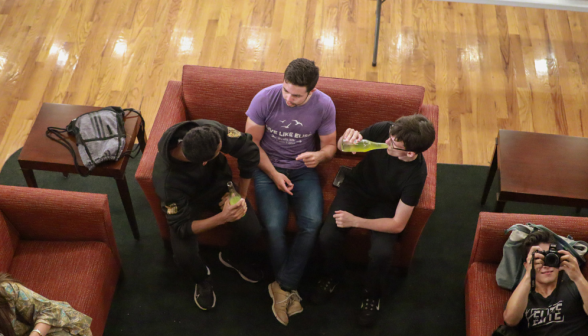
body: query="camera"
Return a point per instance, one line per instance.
(552, 257)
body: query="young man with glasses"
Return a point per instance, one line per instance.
(284, 120)
(379, 195)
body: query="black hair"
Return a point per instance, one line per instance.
(302, 72)
(200, 143)
(534, 239)
(415, 131)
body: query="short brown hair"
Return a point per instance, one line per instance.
(302, 72)
(534, 239)
(415, 131)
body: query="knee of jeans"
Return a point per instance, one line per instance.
(275, 231)
(310, 228)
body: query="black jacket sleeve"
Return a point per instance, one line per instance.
(176, 207)
(241, 146)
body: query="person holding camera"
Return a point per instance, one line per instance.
(558, 303)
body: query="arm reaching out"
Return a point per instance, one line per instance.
(282, 182)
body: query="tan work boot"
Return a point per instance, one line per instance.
(295, 306)
(281, 300)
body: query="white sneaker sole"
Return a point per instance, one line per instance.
(269, 288)
(229, 266)
(213, 300)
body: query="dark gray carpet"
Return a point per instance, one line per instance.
(155, 298)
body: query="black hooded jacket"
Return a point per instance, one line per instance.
(184, 186)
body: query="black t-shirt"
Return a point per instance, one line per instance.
(560, 314)
(385, 177)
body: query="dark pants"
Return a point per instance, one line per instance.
(245, 233)
(350, 198)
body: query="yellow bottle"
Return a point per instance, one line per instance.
(234, 196)
(362, 146)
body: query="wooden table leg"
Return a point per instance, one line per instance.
(491, 174)
(125, 195)
(499, 204)
(29, 176)
(142, 141)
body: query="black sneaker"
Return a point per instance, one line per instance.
(245, 270)
(323, 290)
(204, 294)
(368, 312)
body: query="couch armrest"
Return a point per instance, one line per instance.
(56, 215)
(427, 200)
(484, 300)
(490, 233)
(171, 111)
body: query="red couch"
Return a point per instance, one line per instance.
(485, 301)
(61, 245)
(225, 94)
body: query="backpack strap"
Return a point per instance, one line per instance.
(141, 133)
(56, 134)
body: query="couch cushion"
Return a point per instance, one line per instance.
(84, 274)
(485, 301)
(8, 243)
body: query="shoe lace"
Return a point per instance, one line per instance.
(290, 297)
(295, 296)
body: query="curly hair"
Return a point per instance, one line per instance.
(536, 238)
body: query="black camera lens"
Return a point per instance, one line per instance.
(551, 260)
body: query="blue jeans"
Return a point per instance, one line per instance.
(273, 205)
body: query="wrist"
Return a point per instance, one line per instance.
(36, 332)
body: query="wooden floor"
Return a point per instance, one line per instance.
(486, 67)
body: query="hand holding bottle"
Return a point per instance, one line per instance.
(351, 136)
(221, 204)
(235, 211)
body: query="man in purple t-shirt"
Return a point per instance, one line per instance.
(283, 120)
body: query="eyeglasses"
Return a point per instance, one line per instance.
(393, 139)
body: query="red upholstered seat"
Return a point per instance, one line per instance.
(485, 301)
(61, 245)
(82, 268)
(225, 94)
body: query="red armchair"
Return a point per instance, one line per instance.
(225, 94)
(485, 301)
(61, 245)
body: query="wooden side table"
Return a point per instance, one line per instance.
(42, 153)
(539, 168)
